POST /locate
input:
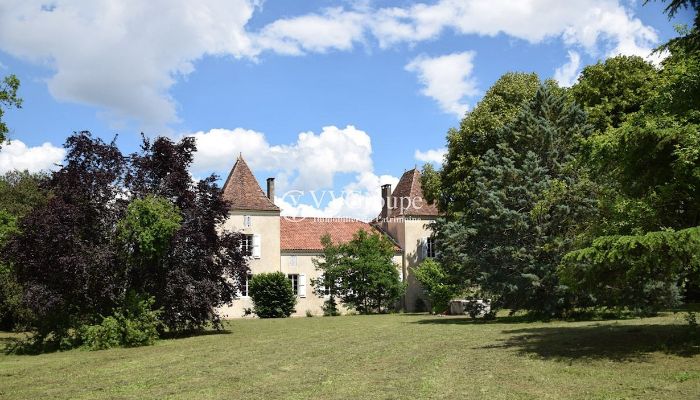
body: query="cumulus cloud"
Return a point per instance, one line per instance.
(447, 79)
(309, 163)
(305, 170)
(568, 73)
(435, 156)
(124, 56)
(16, 155)
(360, 199)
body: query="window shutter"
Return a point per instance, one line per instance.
(302, 285)
(424, 248)
(256, 246)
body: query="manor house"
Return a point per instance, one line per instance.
(290, 244)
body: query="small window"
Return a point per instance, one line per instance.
(326, 287)
(247, 245)
(430, 247)
(293, 261)
(247, 221)
(294, 278)
(244, 286)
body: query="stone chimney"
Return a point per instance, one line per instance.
(386, 200)
(271, 189)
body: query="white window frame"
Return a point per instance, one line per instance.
(430, 247)
(247, 245)
(294, 278)
(245, 288)
(247, 221)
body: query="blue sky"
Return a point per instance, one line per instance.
(323, 95)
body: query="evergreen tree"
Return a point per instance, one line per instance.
(528, 196)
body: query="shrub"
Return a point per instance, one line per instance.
(330, 309)
(133, 324)
(272, 295)
(433, 278)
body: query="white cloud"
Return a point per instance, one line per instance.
(334, 29)
(568, 73)
(435, 156)
(585, 23)
(360, 199)
(304, 170)
(311, 162)
(123, 56)
(447, 79)
(15, 155)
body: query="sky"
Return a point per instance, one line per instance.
(332, 98)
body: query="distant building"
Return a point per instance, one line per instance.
(289, 244)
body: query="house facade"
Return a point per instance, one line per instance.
(290, 244)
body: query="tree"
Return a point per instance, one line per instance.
(639, 257)
(8, 98)
(690, 37)
(369, 280)
(272, 295)
(433, 279)
(612, 90)
(145, 234)
(203, 265)
(529, 195)
(64, 254)
(331, 271)
(20, 192)
(477, 134)
(644, 273)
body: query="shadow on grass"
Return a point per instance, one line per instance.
(189, 334)
(602, 341)
(451, 320)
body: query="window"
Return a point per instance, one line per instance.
(430, 247)
(244, 286)
(326, 287)
(298, 284)
(250, 245)
(292, 261)
(294, 278)
(247, 245)
(247, 221)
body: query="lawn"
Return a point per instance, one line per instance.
(379, 357)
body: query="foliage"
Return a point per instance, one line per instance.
(360, 272)
(690, 37)
(8, 98)
(477, 134)
(202, 265)
(433, 279)
(133, 324)
(639, 272)
(114, 224)
(64, 254)
(272, 295)
(148, 228)
(611, 90)
(528, 195)
(331, 271)
(20, 192)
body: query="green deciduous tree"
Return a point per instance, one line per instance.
(8, 98)
(434, 280)
(361, 272)
(477, 134)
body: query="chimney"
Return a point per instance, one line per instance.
(386, 199)
(271, 189)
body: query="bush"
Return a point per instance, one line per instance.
(272, 295)
(133, 324)
(330, 309)
(432, 278)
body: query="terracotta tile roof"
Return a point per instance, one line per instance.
(407, 198)
(243, 192)
(305, 233)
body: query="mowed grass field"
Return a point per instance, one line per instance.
(379, 357)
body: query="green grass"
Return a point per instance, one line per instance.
(379, 357)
